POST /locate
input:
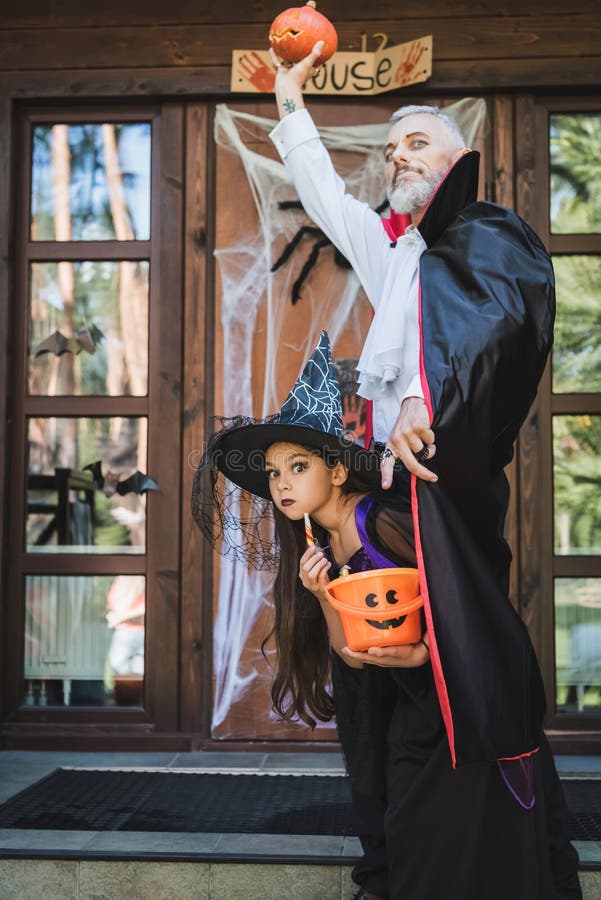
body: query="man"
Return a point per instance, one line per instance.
(414, 163)
(464, 302)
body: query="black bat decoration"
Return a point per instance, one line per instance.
(138, 483)
(56, 343)
(321, 242)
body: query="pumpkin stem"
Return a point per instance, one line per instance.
(311, 3)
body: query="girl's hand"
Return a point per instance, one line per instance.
(406, 656)
(313, 571)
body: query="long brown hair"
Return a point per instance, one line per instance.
(300, 686)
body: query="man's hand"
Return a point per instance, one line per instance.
(410, 436)
(406, 656)
(290, 80)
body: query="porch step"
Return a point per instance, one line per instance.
(23, 877)
(104, 865)
(27, 879)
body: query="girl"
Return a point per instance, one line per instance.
(343, 512)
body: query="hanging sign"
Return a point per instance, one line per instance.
(345, 73)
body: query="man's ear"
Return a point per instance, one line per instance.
(460, 153)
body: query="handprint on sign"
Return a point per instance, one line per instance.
(257, 72)
(353, 417)
(406, 71)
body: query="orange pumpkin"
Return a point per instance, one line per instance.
(294, 33)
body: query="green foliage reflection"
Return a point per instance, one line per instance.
(575, 174)
(577, 484)
(577, 347)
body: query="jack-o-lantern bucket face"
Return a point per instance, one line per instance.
(380, 608)
(294, 33)
(391, 599)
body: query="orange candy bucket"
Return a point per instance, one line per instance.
(379, 608)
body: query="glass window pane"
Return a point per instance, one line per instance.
(84, 640)
(577, 346)
(577, 484)
(575, 173)
(578, 644)
(88, 328)
(91, 182)
(67, 508)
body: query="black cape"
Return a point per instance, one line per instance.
(486, 311)
(428, 831)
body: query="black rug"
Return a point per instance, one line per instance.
(164, 801)
(83, 800)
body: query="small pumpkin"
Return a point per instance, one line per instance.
(294, 33)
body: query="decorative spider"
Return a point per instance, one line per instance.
(321, 242)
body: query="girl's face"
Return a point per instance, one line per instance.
(299, 480)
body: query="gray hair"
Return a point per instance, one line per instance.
(450, 124)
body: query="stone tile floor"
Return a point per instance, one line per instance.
(19, 769)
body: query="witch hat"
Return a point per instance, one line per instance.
(311, 416)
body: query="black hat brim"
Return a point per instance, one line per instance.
(240, 454)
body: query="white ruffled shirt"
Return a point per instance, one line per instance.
(389, 363)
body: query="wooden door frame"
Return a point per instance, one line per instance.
(562, 726)
(159, 720)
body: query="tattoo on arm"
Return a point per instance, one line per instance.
(289, 106)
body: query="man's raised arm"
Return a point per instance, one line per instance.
(354, 228)
(290, 80)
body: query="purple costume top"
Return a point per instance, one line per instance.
(367, 556)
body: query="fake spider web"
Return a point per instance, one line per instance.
(266, 340)
(240, 524)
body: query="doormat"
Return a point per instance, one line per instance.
(84, 800)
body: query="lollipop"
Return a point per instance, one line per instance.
(309, 532)
(294, 33)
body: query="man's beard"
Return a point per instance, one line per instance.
(411, 196)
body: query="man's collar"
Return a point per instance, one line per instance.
(458, 189)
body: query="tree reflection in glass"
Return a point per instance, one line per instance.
(577, 484)
(111, 297)
(577, 346)
(100, 173)
(575, 174)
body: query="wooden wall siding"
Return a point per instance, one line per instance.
(502, 113)
(121, 48)
(161, 676)
(196, 634)
(489, 46)
(533, 469)
(67, 14)
(210, 45)
(5, 285)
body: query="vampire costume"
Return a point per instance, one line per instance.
(472, 287)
